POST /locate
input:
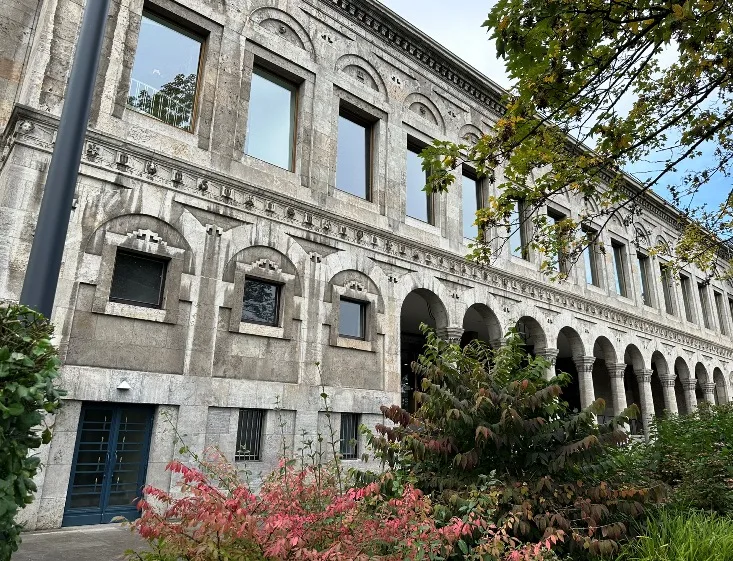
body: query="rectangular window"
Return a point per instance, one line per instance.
(271, 120)
(419, 205)
(556, 217)
(720, 307)
(702, 291)
(165, 73)
(667, 289)
(353, 157)
(471, 204)
(517, 232)
(619, 267)
(644, 285)
(590, 260)
(261, 302)
(138, 279)
(349, 445)
(249, 435)
(352, 318)
(687, 297)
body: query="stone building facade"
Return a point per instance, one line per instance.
(211, 286)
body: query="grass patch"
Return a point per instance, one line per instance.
(682, 536)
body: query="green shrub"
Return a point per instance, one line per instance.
(28, 367)
(682, 536)
(693, 454)
(491, 433)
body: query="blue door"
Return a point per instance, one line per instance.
(110, 462)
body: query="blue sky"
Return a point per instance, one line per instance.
(458, 28)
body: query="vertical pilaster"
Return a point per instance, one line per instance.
(584, 365)
(644, 379)
(690, 397)
(670, 398)
(618, 391)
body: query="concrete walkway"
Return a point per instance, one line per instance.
(104, 542)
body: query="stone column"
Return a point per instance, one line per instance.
(551, 355)
(497, 343)
(618, 391)
(450, 334)
(690, 397)
(670, 398)
(709, 392)
(644, 379)
(584, 364)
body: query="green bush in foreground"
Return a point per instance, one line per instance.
(28, 366)
(682, 536)
(693, 454)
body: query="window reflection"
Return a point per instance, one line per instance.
(353, 155)
(138, 279)
(261, 302)
(418, 201)
(165, 72)
(270, 125)
(352, 319)
(471, 203)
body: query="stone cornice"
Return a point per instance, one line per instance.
(29, 127)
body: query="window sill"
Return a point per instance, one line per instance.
(356, 344)
(259, 330)
(135, 312)
(595, 289)
(425, 226)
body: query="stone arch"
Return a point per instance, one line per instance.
(721, 388)
(641, 236)
(470, 133)
(573, 340)
(356, 280)
(419, 306)
(660, 370)
(703, 378)
(263, 256)
(422, 106)
(361, 70)
(281, 23)
(682, 375)
(570, 348)
(141, 226)
(480, 322)
(532, 334)
(635, 364)
(606, 360)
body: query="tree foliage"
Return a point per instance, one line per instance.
(645, 83)
(28, 368)
(492, 432)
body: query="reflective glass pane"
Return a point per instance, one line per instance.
(351, 319)
(260, 302)
(137, 280)
(417, 199)
(589, 268)
(352, 159)
(618, 268)
(516, 232)
(165, 72)
(644, 279)
(470, 206)
(270, 121)
(131, 449)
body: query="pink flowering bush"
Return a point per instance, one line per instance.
(303, 514)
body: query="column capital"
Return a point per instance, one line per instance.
(644, 376)
(548, 354)
(616, 370)
(584, 363)
(450, 334)
(689, 384)
(498, 343)
(668, 381)
(708, 387)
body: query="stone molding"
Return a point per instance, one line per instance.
(102, 152)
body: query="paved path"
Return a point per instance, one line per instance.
(104, 542)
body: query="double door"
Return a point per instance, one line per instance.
(110, 463)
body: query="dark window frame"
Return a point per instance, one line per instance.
(521, 230)
(268, 71)
(241, 454)
(478, 194)
(363, 307)
(190, 30)
(702, 292)
(667, 289)
(347, 450)
(620, 265)
(278, 300)
(147, 257)
(416, 146)
(688, 298)
(346, 111)
(720, 309)
(556, 216)
(591, 250)
(644, 264)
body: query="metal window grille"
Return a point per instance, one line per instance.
(349, 447)
(249, 435)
